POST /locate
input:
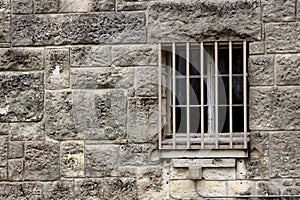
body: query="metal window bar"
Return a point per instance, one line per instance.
(216, 96)
(202, 93)
(245, 91)
(188, 95)
(174, 94)
(159, 97)
(230, 93)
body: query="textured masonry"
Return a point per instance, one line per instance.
(79, 98)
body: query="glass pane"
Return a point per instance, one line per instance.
(237, 60)
(223, 126)
(180, 59)
(195, 117)
(195, 91)
(181, 120)
(194, 59)
(223, 60)
(181, 91)
(237, 90)
(205, 119)
(223, 90)
(238, 118)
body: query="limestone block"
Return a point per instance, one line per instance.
(27, 131)
(136, 154)
(211, 188)
(183, 188)
(45, 6)
(3, 174)
(4, 128)
(16, 150)
(261, 69)
(127, 171)
(57, 68)
(256, 48)
(102, 5)
(3, 151)
(198, 20)
(259, 144)
(298, 10)
(72, 159)
(21, 59)
(78, 29)
(203, 162)
(101, 160)
(29, 190)
(142, 120)
(219, 173)
(21, 96)
(5, 20)
(120, 188)
(59, 190)
(267, 188)
(132, 55)
(132, 6)
(89, 189)
(278, 10)
(241, 187)
(22, 6)
(274, 108)
(74, 6)
(292, 191)
(285, 154)
(253, 168)
(41, 161)
(287, 69)
(282, 37)
(108, 77)
(146, 81)
(90, 56)
(15, 169)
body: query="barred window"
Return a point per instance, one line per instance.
(203, 95)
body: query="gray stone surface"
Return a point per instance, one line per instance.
(267, 188)
(90, 56)
(45, 6)
(282, 37)
(261, 70)
(30, 190)
(285, 154)
(21, 97)
(22, 59)
(4, 128)
(5, 20)
(63, 190)
(102, 5)
(3, 174)
(274, 108)
(218, 173)
(146, 81)
(287, 69)
(89, 189)
(27, 131)
(120, 188)
(298, 10)
(132, 55)
(15, 169)
(132, 6)
(41, 161)
(142, 120)
(74, 6)
(101, 160)
(259, 145)
(278, 10)
(3, 151)
(16, 150)
(72, 159)
(78, 29)
(22, 6)
(197, 20)
(257, 168)
(256, 48)
(99, 78)
(57, 68)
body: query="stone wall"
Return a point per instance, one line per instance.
(79, 100)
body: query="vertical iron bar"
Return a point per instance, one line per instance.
(202, 93)
(188, 94)
(230, 93)
(159, 96)
(174, 93)
(245, 91)
(216, 97)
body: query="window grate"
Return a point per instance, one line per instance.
(213, 72)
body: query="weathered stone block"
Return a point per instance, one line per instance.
(219, 173)
(72, 159)
(183, 188)
(253, 168)
(41, 161)
(120, 188)
(57, 68)
(267, 188)
(74, 6)
(5, 20)
(89, 189)
(21, 97)
(298, 10)
(282, 37)
(216, 163)
(32, 190)
(274, 108)
(142, 120)
(259, 144)
(3, 174)
(146, 81)
(261, 70)
(21, 59)
(127, 171)
(198, 20)
(132, 55)
(4, 129)
(22, 6)
(90, 56)
(45, 6)
(256, 48)
(16, 150)
(108, 77)
(292, 191)
(101, 160)
(27, 131)
(132, 6)
(212, 187)
(3, 151)
(78, 29)
(179, 173)
(241, 187)
(278, 10)
(102, 5)
(285, 154)
(15, 170)
(136, 154)
(63, 190)
(287, 69)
